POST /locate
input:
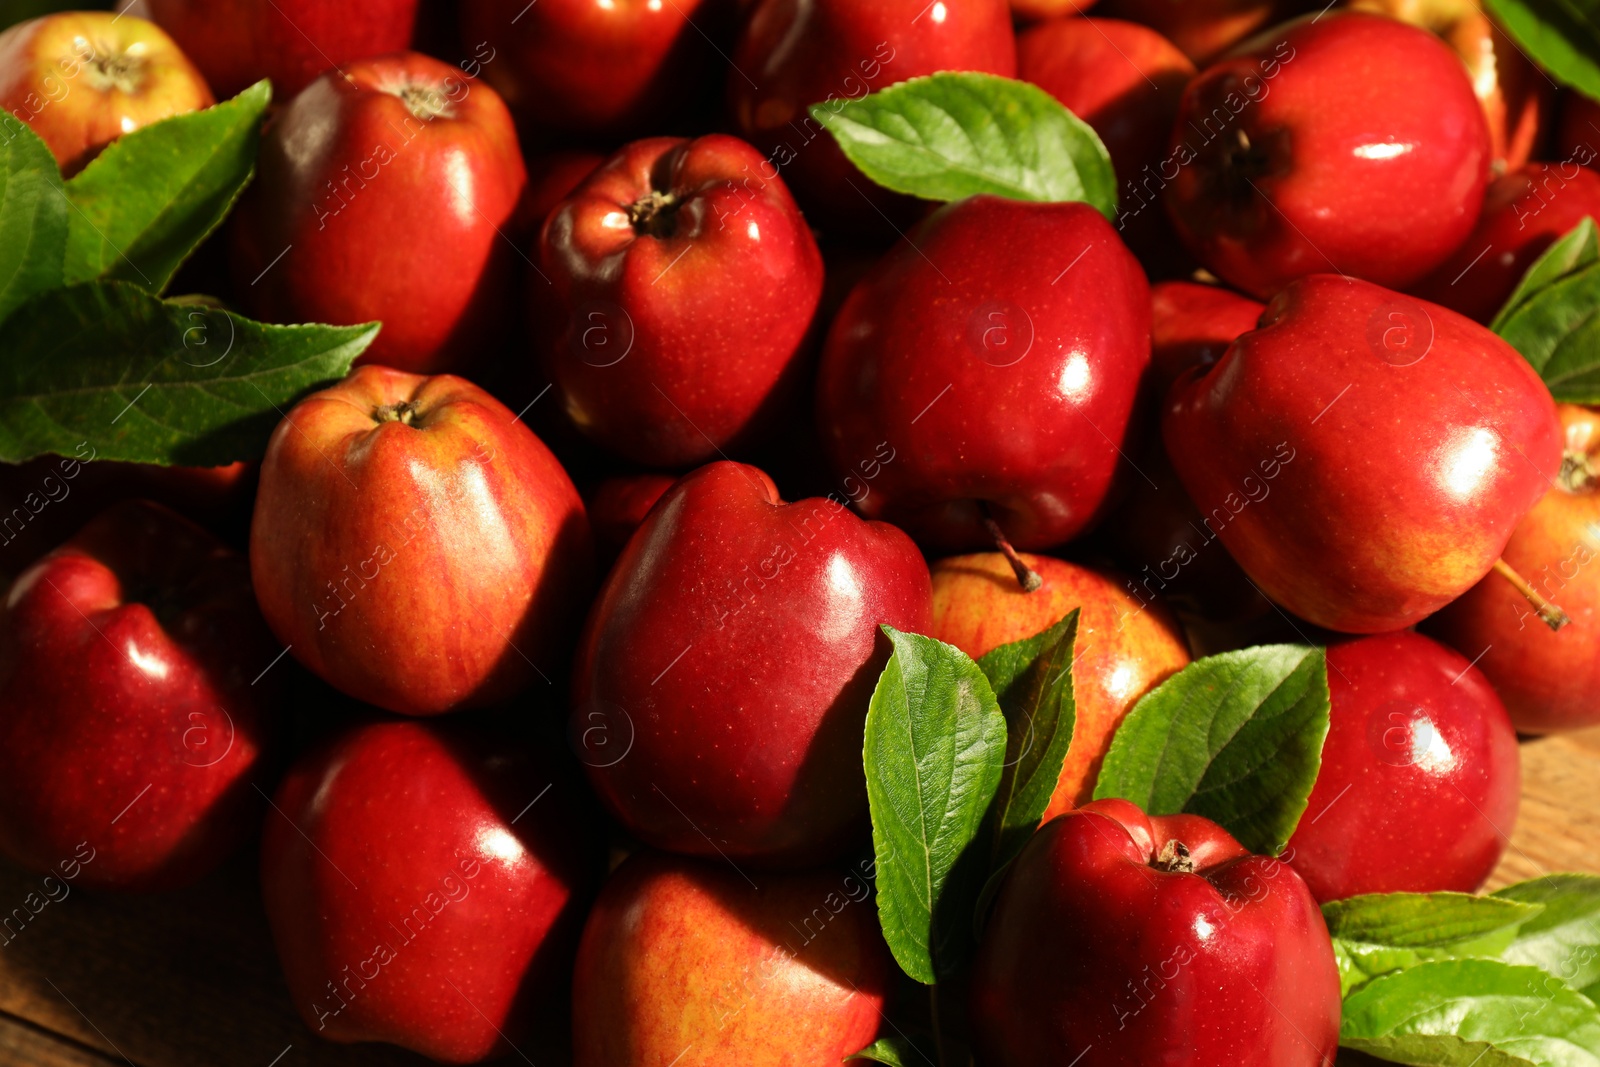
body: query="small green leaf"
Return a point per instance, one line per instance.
(1457, 1012)
(1577, 249)
(1032, 679)
(935, 745)
(1562, 36)
(1235, 737)
(952, 135)
(1564, 939)
(33, 216)
(1557, 330)
(895, 1051)
(155, 381)
(1377, 934)
(152, 196)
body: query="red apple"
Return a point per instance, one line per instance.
(1516, 96)
(597, 68)
(686, 962)
(1127, 643)
(132, 730)
(1525, 212)
(617, 507)
(1034, 10)
(685, 281)
(383, 192)
(1121, 940)
(1420, 776)
(1192, 325)
(722, 681)
(81, 79)
(1363, 455)
(795, 53)
(551, 179)
(1305, 152)
(1547, 680)
(996, 355)
(239, 42)
(416, 545)
(1580, 129)
(427, 887)
(1205, 29)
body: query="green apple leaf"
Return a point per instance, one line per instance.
(154, 381)
(1557, 330)
(934, 750)
(1235, 737)
(1032, 679)
(1562, 36)
(1460, 1012)
(152, 196)
(33, 216)
(1578, 248)
(953, 135)
(1564, 938)
(1377, 934)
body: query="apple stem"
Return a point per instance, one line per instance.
(653, 214)
(1174, 858)
(1552, 615)
(1027, 577)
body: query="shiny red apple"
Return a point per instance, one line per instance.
(1420, 775)
(1205, 29)
(416, 545)
(1547, 680)
(1192, 325)
(383, 196)
(1525, 212)
(238, 42)
(1306, 152)
(722, 680)
(1364, 456)
(795, 53)
(1121, 940)
(427, 887)
(996, 354)
(692, 963)
(684, 282)
(81, 79)
(134, 715)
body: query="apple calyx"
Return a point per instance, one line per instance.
(405, 413)
(1551, 614)
(109, 69)
(1027, 577)
(1174, 858)
(424, 101)
(654, 215)
(1577, 473)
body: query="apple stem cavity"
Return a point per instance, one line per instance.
(405, 413)
(1174, 858)
(654, 215)
(1577, 474)
(1552, 615)
(1027, 577)
(110, 69)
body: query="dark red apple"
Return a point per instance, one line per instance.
(1205, 29)
(383, 195)
(552, 177)
(416, 545)
(996, 355)
(598, 68)
(686, 962)
(1580, 129)
(1305, 152)
(238, 42)
(1547, 680)
(132, 727)
(723, 677)
(683, 281)
(427, 887)
(1192, 325)
(81, 79)
(1420, 775)
(1363, 455)
(795, 53)
(617, 507)
(1525, 212)
(1121, 940)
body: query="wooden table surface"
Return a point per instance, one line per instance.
(190, 978)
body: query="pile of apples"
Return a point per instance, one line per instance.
(1260, 404)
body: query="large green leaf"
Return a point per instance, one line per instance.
(952, 135)
(153, 195)
(935, 743)
(1460, 1012)
(1576, 249)
(33, 216)
(1377, 934)
(1557, 330)
(1235, 737)
(1564, 939)
(1562, 36)
(155, 381)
